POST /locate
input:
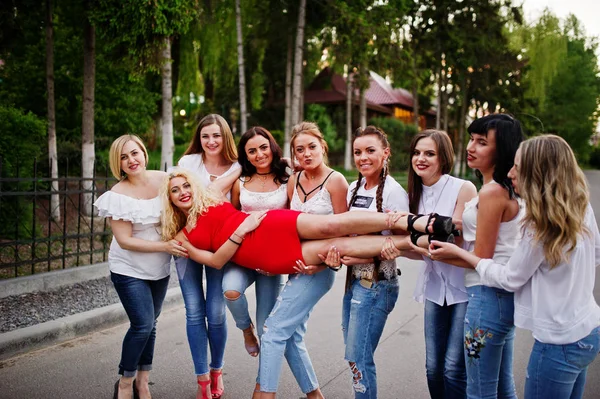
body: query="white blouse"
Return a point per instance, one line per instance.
(195, 163)
(144, 214)
(440, 282)
(556, 304)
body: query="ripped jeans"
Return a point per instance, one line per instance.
(365, 311)
(559, 371)
(285, 328)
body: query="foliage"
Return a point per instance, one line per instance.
(594, 160)
(399, 135)
(318, 114)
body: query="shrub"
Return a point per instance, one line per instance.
(595, 157)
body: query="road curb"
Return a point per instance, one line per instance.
(56, 331)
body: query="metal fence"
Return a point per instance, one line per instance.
(32, 238)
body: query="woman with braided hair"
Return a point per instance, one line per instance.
(371, 284)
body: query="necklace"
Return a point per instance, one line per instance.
(264, 174)
(438, 199)
(263, 177)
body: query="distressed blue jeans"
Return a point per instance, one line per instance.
(559, 371)
(206, 322)
(364, 314)
(285, 329)
(489, 338)
(444, 357)
(142, 300)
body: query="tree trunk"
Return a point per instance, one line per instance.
(241, 69)
(348, 146)
(460, 143)
(445, 103)
(52, 151)
(287, 127)
(415, 92)
(298, 58)
(168, 145)
(88, 155)
(438, 114)
(363, 108)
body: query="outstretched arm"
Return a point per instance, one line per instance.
(224, 184)
(226, 251)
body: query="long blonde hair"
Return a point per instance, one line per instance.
(556, 195)
(172, 218)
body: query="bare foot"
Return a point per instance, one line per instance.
(251, 341)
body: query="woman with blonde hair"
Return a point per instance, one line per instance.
(139, 261)
(552, 270)
(212, 157)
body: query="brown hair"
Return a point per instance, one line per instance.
(229, 149)
(445, 153)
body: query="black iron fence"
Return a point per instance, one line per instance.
(49, 224)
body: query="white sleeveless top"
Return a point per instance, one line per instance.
(439, 281)
(195, 163)
(263, 201)
(144, 215)
(318, 204)
(509, 236)
(394, 198)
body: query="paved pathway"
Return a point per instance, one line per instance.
(86, 367)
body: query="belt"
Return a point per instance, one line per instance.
(366, 277)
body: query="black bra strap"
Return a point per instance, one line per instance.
(319, 187)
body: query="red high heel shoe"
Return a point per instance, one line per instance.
(203, 385)
(214, 379)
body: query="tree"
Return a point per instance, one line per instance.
(242, 79)
(146, 32)
(297, 76)
(52, 151)
(88, 152)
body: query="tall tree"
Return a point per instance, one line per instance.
(298, 68)
(287, 126)
(241, 69)
(52, 151)
(88, 153)
(146, 32)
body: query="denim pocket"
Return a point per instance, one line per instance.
(506, 306)
(583, 352)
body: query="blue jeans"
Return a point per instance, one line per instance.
(365, 311)
(142, 300)
(559, 371)
(285, 328)
(237, 278)
(445, 361)
(489, 339)
(200, 311)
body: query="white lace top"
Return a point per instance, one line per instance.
(262, 201)
(509, 236)
(195, 163)
(144, 215)
(440, 282)
(319, 204)
(394, 198)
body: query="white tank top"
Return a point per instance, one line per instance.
(439, 281)
(509, 236)
(263, 201)
(319, 204)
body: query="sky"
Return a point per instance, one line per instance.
(587, 11)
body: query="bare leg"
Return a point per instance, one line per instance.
(366, 246)
(141, 381)
(125, 388)
(312, 227)
(316, 394)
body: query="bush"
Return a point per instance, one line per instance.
(318, 114)
(22, 140)
(595, 157)
(399, 135)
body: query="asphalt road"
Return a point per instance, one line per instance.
(86, 367)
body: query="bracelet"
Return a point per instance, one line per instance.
(234, 241)
(335, 269)
(238, 236)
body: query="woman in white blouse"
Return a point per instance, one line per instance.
(552, 271)
(440, 286)
(139, 261)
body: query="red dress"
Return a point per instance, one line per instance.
(274, 246)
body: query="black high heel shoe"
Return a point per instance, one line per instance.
(442, 225)
(116, 394)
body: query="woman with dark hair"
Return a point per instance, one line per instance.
(552, 271)
(490, 224)
(262, 186)
(440, 286)
(212, 157)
